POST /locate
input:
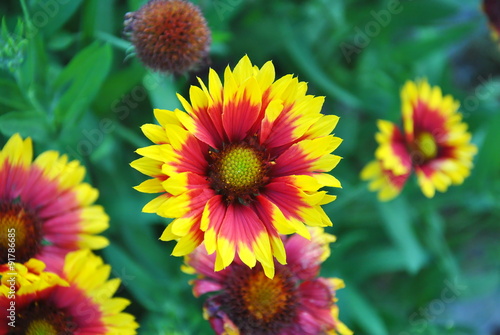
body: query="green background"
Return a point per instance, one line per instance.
(411, 266)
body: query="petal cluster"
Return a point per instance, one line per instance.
(296, 301)
(283, 145)
(46, 205)
(434, 143)
(78, 301)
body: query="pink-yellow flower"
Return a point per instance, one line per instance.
(245, 164)
(243, 300)
(46, 210)
(79, 301)
(434, 143)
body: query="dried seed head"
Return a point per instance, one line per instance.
(169, 35)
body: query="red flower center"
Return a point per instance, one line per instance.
(238, 171)
(257, 304)
(41, 317)
(20, 233)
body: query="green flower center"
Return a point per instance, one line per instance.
(238, 172)
(20, 233)
(426, 145)
(40, 327)
(240, 167)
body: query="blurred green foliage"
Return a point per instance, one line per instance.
(411, 266)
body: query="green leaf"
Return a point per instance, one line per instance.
(11, 98)
(305, 60)
(398, 224)
(27, 123)
(488, 159)
(134, 277)
(49, 16)
(80, 81)
(363, 312)
(427, 41)
(162, 91)
(436, 240)
(378, 260)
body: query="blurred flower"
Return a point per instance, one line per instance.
(169, 35)
(80, 301)
(242, 166)
(435, 144)
(492, 10)
(295, 302)
(45, 209)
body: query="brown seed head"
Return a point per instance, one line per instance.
(169, 35)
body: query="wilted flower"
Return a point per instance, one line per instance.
(169, 35)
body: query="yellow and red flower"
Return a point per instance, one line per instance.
(434, 144)
(45, 209)
(79, 301)
(295, 302)
(492, 10)
(243, 165)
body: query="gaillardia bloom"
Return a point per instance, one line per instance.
(434, 143)
(80, 301)
(45, 209)
(295, 302)
(244, 165)
(169, 35)
(492, 10)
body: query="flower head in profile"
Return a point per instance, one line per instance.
(46, 210)
(434, 144)
(243, 165)
(244, 300)
(169, 35)
(492, 10)
(79, 301)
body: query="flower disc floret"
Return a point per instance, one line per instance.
(237, 172)
(20, 231)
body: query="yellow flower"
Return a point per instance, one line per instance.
(434, 144)
(46, 210)
(242, 166)
(79, 301)
(295, 302)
